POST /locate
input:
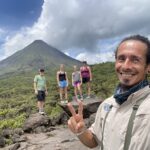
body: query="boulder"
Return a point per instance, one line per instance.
(15, 146)
(90, 106)
(2, 141)
(34, 121)
(7, 133)
(18, 131)
(17, 138)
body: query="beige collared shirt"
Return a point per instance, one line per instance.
(117, 122)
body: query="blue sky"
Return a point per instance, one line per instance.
(83, 29)
(17, 13)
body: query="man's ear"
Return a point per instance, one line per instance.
(148, 69)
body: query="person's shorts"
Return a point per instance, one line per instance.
(63, 84)
(85, 80)
(41, 96)
(76, 83)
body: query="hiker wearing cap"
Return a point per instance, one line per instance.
(40, 89)
(62, 81)
(122, 121)
(86, 75)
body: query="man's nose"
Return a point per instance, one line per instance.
(127, 64)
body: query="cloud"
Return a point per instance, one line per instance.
(93, 58)
(84, 24)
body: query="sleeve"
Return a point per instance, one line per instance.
(96, 127)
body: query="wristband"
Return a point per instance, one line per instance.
(80, 133)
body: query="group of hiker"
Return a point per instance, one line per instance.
(79, 76)
(83, 75)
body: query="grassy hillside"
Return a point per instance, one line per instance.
(17, 99)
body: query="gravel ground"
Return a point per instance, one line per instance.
(59, 139)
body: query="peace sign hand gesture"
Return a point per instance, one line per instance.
(76, 123)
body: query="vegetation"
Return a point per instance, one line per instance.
(17, 99)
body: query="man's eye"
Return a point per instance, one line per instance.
(120, 59)
(135, 60)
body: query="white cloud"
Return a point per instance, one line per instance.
(93, 58)
(82, 24)
(66, 53)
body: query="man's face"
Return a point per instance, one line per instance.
(130, 63)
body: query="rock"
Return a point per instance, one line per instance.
(34, 121)
(49, 129)
(40, 129)
(60, 119)
(19, 131)
(90, 106)
(7, 133)
(45, 126)
(2, 141)
(61, 138)
(89, 121)
(15, 147)
(17, 138)
(92, 118)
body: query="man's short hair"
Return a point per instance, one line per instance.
(41, 70)
(140, 38)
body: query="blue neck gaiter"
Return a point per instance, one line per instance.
(121, 96)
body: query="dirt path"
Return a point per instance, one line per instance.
(59, 139)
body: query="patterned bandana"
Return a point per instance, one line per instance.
(121, 96)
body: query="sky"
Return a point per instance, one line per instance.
(83, 29)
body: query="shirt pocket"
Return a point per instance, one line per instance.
(140, 131)
(140, 122)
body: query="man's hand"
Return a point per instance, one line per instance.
(76, 123)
